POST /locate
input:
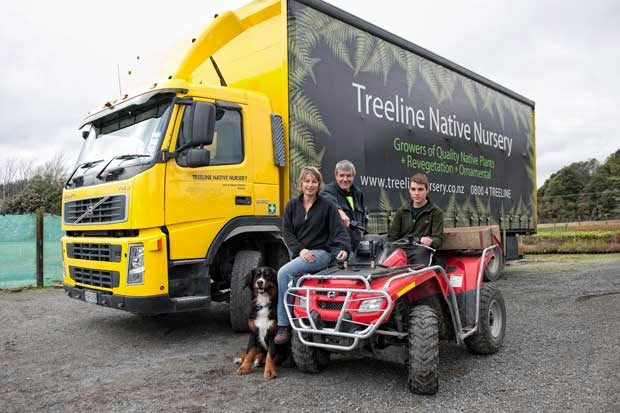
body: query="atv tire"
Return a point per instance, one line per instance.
(495, 267)
(240, 296)
(308, 359)
(423, 363)
(489, 336)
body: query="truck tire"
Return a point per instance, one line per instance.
(489, 336)
(308, 359)
(240, 296)
(495, 267)
(423, 363)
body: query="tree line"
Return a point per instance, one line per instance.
(582, 191)
(26, 186)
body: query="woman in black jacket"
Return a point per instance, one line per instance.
(313, 232)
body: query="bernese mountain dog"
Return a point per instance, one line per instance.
(262, 323)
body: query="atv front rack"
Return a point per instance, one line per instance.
(306, 327)
(364, 330)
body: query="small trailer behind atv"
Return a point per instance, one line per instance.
(380, 300)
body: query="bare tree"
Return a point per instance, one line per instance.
(55, 169)
(25, 169)
(8, 172)
(25, 172)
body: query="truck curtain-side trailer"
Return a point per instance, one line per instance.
(178, 191)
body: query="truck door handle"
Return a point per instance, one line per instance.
(243, 200)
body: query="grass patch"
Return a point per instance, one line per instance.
(574, 227)
(578, 235)
(564, 246)
(572, 242)
(569, 258)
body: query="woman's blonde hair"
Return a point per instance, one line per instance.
(312, 171)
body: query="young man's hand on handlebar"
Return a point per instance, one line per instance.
(428, 241)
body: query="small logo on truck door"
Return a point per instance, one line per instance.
(271, 209)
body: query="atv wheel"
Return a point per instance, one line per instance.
(240, 296)
(489, 336)
(423, 362)
(308, 359)
(494, 269)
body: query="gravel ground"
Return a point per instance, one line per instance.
(560, 353)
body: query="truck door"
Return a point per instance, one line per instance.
(199, 201)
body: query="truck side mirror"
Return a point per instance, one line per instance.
(196, 157)
(203, 123)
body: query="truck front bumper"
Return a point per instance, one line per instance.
(158, 304)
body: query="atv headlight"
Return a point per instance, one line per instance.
(371, 305)
(302, 302)
(135, 266)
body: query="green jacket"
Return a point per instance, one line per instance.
(429, 223)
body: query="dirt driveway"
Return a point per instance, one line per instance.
(561, 352)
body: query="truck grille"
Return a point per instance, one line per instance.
(94, 252)
(99, 210)
(96, 278)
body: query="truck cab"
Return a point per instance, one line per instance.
(168, 187)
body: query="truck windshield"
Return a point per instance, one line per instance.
(137, 131)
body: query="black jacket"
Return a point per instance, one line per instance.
(429, 223)
(333, 192)
(321, 228)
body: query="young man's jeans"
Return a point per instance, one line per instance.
(293, 270)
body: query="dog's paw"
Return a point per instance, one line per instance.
(243, 370)
(270, 374)
(238, 360)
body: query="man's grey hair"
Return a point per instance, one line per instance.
(345, 165)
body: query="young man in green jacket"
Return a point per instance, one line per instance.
(420, 218)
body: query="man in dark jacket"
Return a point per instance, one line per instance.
(348, 199)
(420, 218)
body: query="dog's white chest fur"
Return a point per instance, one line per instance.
(262, 321)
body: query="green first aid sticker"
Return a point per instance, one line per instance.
(271, 209)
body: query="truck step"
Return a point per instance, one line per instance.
(191, 302)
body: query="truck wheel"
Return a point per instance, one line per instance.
(240, 296)
(308, 359)
(494, 269)
(423, 362)
(489, 336)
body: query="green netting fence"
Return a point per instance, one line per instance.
(18, 250)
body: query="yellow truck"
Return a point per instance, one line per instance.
(178, 191)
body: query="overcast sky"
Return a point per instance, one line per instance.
(59, 61)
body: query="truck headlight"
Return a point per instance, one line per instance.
(135, 266)
(371, 305)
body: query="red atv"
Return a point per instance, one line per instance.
(380, 300)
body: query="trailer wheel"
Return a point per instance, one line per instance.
(495, 268)
(489, 336)
(240, 296)
(308, 359)
(423, 364)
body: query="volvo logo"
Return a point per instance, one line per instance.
(89, 211)
(91, 208)
(331, 295)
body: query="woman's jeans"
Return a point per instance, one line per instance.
(293, 270)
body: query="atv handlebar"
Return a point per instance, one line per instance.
(410, 240)
(358, 226)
